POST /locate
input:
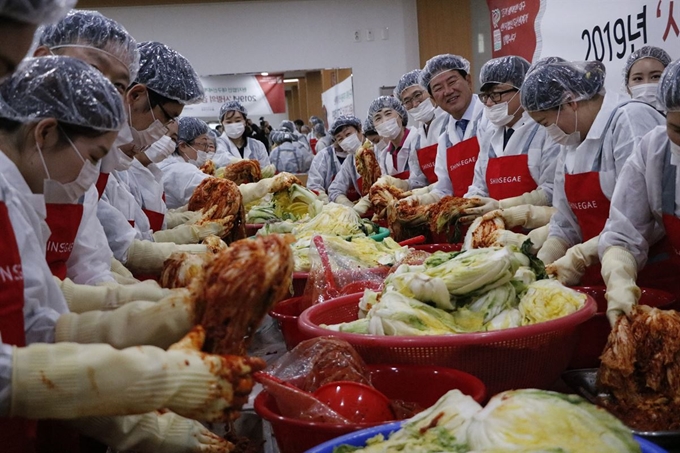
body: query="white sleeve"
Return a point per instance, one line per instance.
(478, 187)
(443, 185)
(550, 152)
(343, 180)
(222, 156)
(416, 178)
(317, 172)
(631, 223)
(634, 123)
(179, 181)
(90, 260)
(260, 152)
(119, 232)
(563, 223)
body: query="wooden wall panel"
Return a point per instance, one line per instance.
(302, 95)
(314, 94)
(444, 26)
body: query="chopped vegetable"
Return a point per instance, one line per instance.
(549, 299)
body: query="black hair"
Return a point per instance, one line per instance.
(66, 131)
(299, 122)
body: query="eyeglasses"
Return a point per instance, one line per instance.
(495, 96)
(167, 115)
(419, 96)
(202, 146)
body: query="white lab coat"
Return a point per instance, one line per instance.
(227, 152)
(542, 155)
(385, 158)
(477, 124)
(146, 186)
(43, 301)
(291, 157)
(118, 194)
(629, 124)
(323, 143)
(180, 178)
(119, 233)
(421, 137)
(636, 213)
(90, 260)
(346, 178)
(325, 166)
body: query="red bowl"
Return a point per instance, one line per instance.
(286, 314)
(403, 382)
(253, 228)
(595, 331)
(299, 283)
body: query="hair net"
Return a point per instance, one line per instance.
(82, 28)
(35, 12)
(168, 73)
(368, 126)
(319, 129)
(441, 63)
(288, 125)
(645, 52)
(66, 89)
(280, 136)
(668, 91)
(315, 119)
(550, 85)
(408, 80)
(388, 102)
(232, 106)
(344, 121)
(188, 128)
(508, 70)
(212, 135)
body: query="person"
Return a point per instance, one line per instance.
(516, 164)
(390, 119)
(323, 139)
(212, 143)
(597, 132)
(292, 127)
(324, 168)
(447, 79)
(644, 213)
(58, 118)
(379, 143)
(235, 143)
(257, 133)
(181, 173)
(642, 73)
(430, 121)
(288, 156)
(346, 188)
(298, 125)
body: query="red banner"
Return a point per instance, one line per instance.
(274, 91)
(513, 27)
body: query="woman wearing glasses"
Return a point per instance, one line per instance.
(431, 122)
(517, 159)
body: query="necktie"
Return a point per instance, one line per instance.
(506, 136)
(462, 125)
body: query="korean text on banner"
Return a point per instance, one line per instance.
(338, 100)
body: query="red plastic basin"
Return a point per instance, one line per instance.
(286, 314)
(422, 385)
(595, 331)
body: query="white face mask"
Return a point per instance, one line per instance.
(201, 157)
(70, 192)
(234, 130)
(388, 129)
(149, 135)
(498, 114)
(424, 112)
(645, 93)
(562, 138)
(350, 144)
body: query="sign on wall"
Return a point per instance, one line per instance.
(604, 30)
(338, 100)
(260, 95)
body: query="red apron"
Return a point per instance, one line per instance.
(155, 219)
(352, 193)
(64, 221)
(426, 158)
(509, 176)
(101, 183)
(312, 145)
(460, 161)
(17, 435)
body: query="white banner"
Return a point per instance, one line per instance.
(260, 95)
(338, 100)
(605, 30)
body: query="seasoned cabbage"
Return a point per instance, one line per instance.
(549, 299)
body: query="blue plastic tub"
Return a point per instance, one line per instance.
(359, 438)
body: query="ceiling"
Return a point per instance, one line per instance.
(95, 4)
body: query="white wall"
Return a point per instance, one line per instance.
(277, 36)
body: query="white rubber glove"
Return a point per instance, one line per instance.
(570, 268)
(137, 323)
(538, 237)
(553, 249)
(619, 271)
(107, 296)
(118, 268)
(535, 197)
(363, 205)
(423, 198)
(255, 190)
(181, 216)
(343, 200)
(323, 196)
(421, 190)
(152, 433)
(69, 380)
(527, 216)
(489, 204)
(400, 184)
(190, 234)
(146, 257)
(507, 237)
(160, 149)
